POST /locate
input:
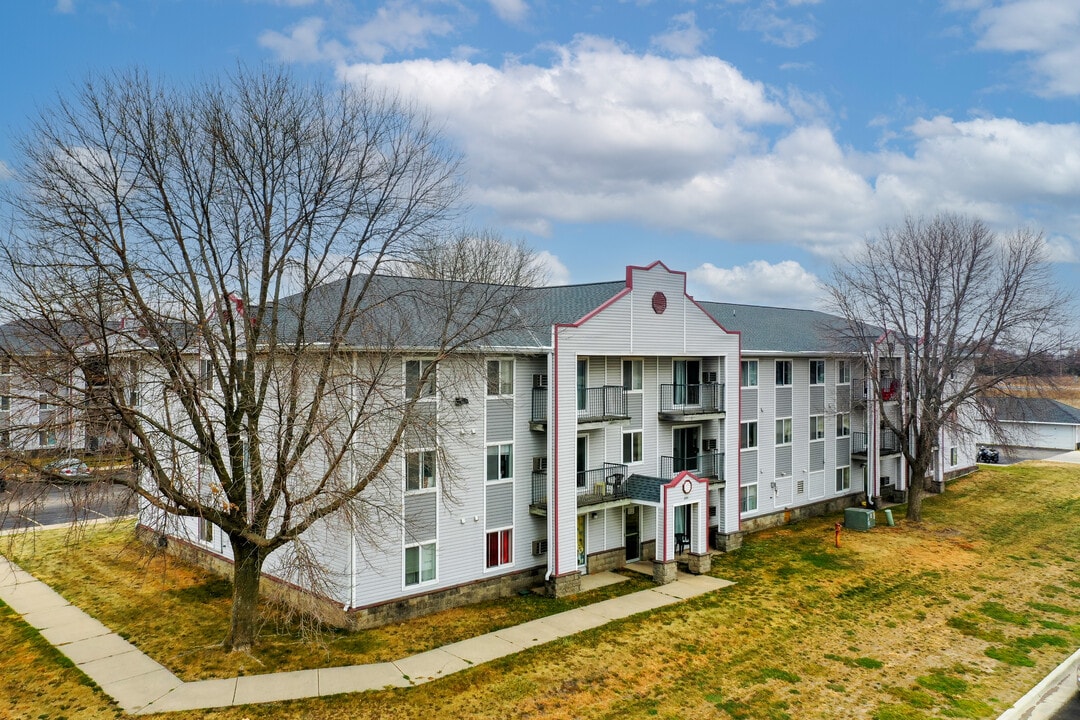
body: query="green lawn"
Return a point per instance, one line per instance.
(955, 617)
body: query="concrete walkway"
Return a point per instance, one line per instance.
(142, 686)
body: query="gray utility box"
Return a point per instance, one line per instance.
(858, 519)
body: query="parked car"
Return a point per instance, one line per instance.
(67, 469)
(988, 455)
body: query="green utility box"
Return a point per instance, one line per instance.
(858, 519)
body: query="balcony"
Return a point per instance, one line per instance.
(862, 390)
(602, 405)
(538, 416)
(888, 443)
(706, 465)
(703, 401)
(604, 484)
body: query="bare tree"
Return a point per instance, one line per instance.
(227, 270)
(928, 302)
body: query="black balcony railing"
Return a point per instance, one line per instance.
(597, 404)
(539, 489)
(539, 405)
(888, 443)
(691, 399)
(706, 465)
(598, 485)
(607, 482)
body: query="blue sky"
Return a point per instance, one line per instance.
(750, 143)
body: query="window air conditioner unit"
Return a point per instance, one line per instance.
(708, 377)
(539, 547)
(539, 464)
(540, 380)
(709, 444)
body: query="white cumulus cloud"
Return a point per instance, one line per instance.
(511, 11)
(553, 269)
(683, 36)
(1046, 31)
(759, 282)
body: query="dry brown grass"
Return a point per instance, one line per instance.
(895, 624)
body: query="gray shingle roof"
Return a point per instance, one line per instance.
(780, 330)
(1041, 410)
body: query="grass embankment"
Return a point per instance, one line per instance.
(955, 617)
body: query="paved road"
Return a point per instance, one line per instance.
(1070, 711)
(30, 504)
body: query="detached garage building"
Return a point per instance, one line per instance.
(1036, 422)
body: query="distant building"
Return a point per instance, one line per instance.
(1034, 422)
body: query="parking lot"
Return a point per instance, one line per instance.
(40, 503)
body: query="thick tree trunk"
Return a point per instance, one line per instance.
(914, 498)
(247, 571)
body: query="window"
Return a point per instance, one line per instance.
(843, 479)
(953, 456)
(43, 404)
(414, 370)
(632, 373)
(783, 431)
(843, 372)
(783, 372)
(420, 470)
(5, 439)
(5, 402)
(206, 530)
(419, 563)
(5, 366)
(206, 375)
(817, 427)
(748, 373)
(843, 424)
(499, 550)
(46, 438)
(500, 377)
(748, 435)
(748, 498)
(133, 393)
(500, 461)
(631, 447)
(817, 372)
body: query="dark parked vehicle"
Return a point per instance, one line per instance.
(67, 469)
(988, 455)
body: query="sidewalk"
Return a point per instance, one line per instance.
(142, 686)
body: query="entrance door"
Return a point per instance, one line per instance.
(582, 459)
(683, 527)
(685, 448)
(633, 543)
(581, 542)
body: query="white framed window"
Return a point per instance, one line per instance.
(414, 370)
(843, 372)
(843, 479)
(43, 404)
(954, 456)
(206, 375)
(748, 373)
(46, 438)
(5, 403)
(817, 372)
(206, 530)
(499, 549)
(500, 461)
(632, 447)
(419, 563)
(500, 377)
(748, 435)
(633, 374)
(783, 431)
(748, 498)
(843, 424)
(419, 470)
(134, 398)
(817, 427)
(783, 373)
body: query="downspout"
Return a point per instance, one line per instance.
(553, 464)
(352, 573)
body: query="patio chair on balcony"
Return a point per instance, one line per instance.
(614, 483)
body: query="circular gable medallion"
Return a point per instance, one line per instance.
(687, 486)
(659, 302)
